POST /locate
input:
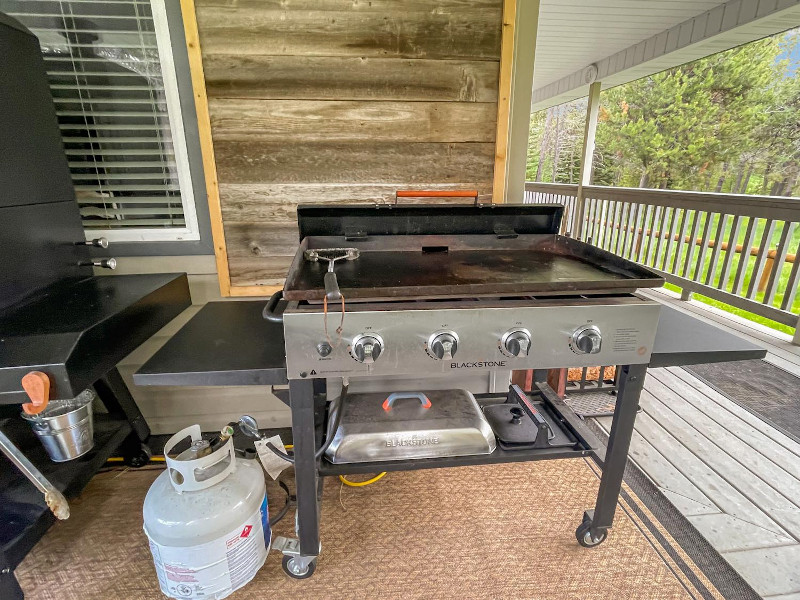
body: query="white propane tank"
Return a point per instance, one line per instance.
(207, 522)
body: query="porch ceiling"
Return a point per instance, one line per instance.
(629, 39)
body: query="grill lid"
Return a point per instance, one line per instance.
(360, 221)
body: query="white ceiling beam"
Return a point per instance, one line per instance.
(726, 26)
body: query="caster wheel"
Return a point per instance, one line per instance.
(584, 535)
(290, 569)
(139, 458)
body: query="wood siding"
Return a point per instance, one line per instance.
(342, 101)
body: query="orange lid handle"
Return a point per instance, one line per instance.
(37, 385)
(437, 193)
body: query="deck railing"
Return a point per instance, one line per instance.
(736, 249)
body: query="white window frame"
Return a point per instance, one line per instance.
(190, 231)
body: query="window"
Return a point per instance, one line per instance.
(111, 73)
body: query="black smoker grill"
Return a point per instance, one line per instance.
(56, 316)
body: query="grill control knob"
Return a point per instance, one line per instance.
(443, 346)
(516, 342)
(366, 348)
(586, 340)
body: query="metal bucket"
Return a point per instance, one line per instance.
(65, 427)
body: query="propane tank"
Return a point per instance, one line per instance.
(207, 521)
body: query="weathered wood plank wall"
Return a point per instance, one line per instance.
(342, 101)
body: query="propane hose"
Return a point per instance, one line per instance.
(333, 425)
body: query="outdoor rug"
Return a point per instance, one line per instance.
(495, 531)
(760, 387)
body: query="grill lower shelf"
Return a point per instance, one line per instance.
(561, 418)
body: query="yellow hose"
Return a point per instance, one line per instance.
(347, 481)
(342, 478)
(361, 483)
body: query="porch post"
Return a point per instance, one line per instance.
(520, 24)
(587, 155)
(796, 338)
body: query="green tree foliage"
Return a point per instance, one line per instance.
(728, 122)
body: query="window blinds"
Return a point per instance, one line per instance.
(105, 75)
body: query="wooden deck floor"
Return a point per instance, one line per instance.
(736, 478)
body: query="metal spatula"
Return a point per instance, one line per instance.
(331, 255)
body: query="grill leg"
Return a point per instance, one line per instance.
(305, 466)
(596, 523)
(9, 587)
(117, 398)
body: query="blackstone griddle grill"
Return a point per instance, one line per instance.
(433, 340)
(429, 297)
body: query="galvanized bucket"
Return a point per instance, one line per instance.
(65, 427)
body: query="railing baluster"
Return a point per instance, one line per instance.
(615, 226)
(777, 262)
(673, 226)
(571, 215)
(730, 252)
(597, 206)
(606, 210)
(621, 224)
(601, 230)
(662, 224)
(761, 257)
(695, 229)
(606, 230)
(601, 206)
(647, 213)
(676, 260)
(569, 206)
(634, 227)
(744, 255)
(586, 216)
(791, 286)
(588, 219)
(653, 237)
(712, 263)
(647, 232)
(625, 224)
(701, 254)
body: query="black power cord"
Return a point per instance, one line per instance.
(286, 506)
(333, 425)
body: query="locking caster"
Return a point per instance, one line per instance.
(294, 565)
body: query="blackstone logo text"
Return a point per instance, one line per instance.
(478, 365)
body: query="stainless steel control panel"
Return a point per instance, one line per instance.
(459, 338)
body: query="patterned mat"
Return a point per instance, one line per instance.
(762, 388)
(591, 404)
(499, 531)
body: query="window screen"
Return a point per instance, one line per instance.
(107, 62)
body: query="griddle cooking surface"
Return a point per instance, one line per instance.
(407, 266)
(395, 274)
